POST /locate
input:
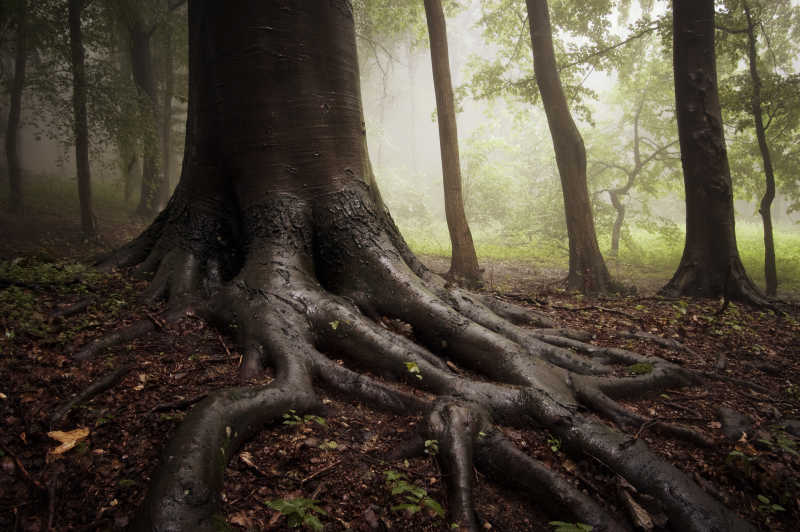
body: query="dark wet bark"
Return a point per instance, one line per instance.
(277, 234)
(463, 262)
(79, 90)
(587, 269)
(770, 273)
(15, 199)
(710, 265)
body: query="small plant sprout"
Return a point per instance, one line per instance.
(292, 419)
(432, 447)
(554, 443)
(767, 507)
(562, 526)
(299, 512)
(413, 368)
(414, 497)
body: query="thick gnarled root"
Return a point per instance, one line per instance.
(315, 280)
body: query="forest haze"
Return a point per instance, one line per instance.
(412, 265)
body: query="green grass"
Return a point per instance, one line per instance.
(650, 258)
(47, 194)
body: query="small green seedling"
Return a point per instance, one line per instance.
(415, 497)
(767, 507)
(299, 512)
(413, 368)
(432, 447)
(554, 443)
(562, 526)
(292, 419)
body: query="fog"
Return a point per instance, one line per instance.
(510, 180)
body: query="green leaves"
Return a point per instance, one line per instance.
(299, 512)
(562, 526)
(414, 497)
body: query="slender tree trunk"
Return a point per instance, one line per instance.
(81, 121)
(587, 270)
(15, 200)
(463, 261)
(152, 197)
(710, 265)
(770, 273)
(166, 116)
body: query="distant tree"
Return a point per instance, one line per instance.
(639, 153)
(79, 89)
(17, 15)
(587, 269)
(762, 97)
(463, 261)
(710, 265)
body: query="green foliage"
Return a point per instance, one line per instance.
(414, 497)
(640, 368)
(767, 507)
(562, 526)
(432, 447)
(413, 368)
(292, 418)
(554, 443)
(299, 512)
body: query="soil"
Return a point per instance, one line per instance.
(349, 458)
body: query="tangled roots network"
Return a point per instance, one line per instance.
(278, 275)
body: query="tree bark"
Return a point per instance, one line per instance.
(770, 273)
(710, 265)
(88, 223)
(276, 232)
(587, 269)
(166, 115)
(463, 262)
(154, 193)
(15, 199)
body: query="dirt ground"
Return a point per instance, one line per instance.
(346, 458)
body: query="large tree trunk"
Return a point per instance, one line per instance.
(277, 232)
(710, 265)
(15, 200)
(587, 270)
(81, 122)
(770, 273)
(463, 262)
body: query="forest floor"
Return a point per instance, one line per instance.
(750, 406)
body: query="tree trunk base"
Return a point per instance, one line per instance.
(310, 278)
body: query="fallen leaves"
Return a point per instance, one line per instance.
(68, 440)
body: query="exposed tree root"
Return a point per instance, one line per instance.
(96, 388)
(315, 277)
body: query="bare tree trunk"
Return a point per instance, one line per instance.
(88, 224)
(587, 270)
(152, 197)
(166, 116)
(710, 265)
(15, 200)
(770, 273)
(463, 261)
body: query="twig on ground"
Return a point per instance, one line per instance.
(327, 469)
(22, 469)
